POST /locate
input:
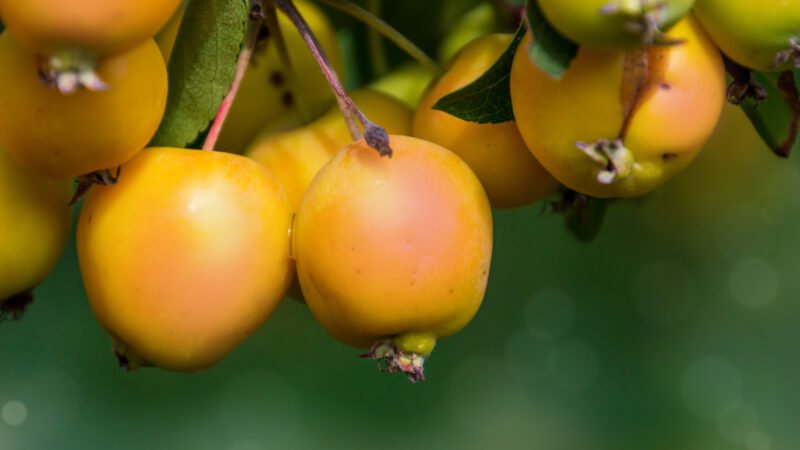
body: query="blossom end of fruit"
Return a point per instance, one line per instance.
(391, 359)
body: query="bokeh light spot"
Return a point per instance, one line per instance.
(710, 385)
(14, 413)
(753, 282)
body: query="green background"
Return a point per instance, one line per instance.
(676, 329)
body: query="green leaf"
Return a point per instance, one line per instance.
(202, 68)
(777, 118)
(487, 99)
(551, 51)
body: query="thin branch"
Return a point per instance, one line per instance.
(387, 31)
(376, 137)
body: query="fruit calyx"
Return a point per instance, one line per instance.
(14, 307)
(105, 177)
(615, 160)
(404, 353)
(643, 17)
(790, 54)
(69, 71)
(127, 358)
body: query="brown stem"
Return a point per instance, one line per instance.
(256, 17)
(375, 136)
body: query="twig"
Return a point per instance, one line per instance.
(387, 31)
(376, 137)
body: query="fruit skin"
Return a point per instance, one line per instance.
(509, 172)
(97, 27)
(186, 255)
(267, 93)
(752, 33)
(37, 212)
(675, 112)
(478, 21)
(169, 33)
(584, 23)
(296, 156)
(407, 83)
(63, 136)
(392, 246)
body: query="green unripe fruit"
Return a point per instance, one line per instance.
(763, 35)
(614, 24)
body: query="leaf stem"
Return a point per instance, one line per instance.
(256, 17)
(387, 31)
(376, 137)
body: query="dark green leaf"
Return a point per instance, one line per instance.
(487, 99)
(202, 68)
(777, 118)
(551, 51)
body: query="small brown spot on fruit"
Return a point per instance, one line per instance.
(287, 99)
(669, 156)
(276, 78)
(665, 86)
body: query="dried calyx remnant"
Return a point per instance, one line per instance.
(105, 177)
(70, 71)
(375, 136)
(14, 307)
(405, 353)
(790, 54)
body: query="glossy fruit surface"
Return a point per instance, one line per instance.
(496, 153)
(97, 27)
(407, 83)
(393, 247)
(586, 23)
(752, 33)
(63, 136)
(478, 21)
(662, 103)
(36, 211)
(268, 91)
(185, 256)
(296, 156)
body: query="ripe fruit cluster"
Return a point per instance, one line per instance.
(185, 253)
(84, 89)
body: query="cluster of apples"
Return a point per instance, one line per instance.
(84, 89)
(187, 252)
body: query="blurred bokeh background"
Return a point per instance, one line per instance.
(676, 329)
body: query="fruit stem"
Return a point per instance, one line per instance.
(387, 31)
(644, 16)
(375, 136)
(404, 353)
(256, 16)
(12, 308)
